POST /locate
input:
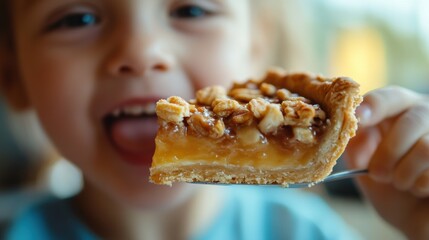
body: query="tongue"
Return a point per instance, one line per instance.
(135, 136)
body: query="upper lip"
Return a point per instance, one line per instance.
(134, 110)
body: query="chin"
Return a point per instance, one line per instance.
(158, 197)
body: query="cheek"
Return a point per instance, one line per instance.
(61, 98)
(219, 59)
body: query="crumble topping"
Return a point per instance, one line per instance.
(207, 95)
(246, 110)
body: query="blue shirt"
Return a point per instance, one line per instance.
(249, 213)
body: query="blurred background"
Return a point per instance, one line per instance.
(376, 42)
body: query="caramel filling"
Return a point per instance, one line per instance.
(241, 146)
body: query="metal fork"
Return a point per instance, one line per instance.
(333, 177)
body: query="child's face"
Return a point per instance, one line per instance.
(82, 60)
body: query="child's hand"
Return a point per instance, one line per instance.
(393, 142)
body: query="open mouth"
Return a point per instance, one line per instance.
(132, 130)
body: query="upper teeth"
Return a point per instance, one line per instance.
(135, 110)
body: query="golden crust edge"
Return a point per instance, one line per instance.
(339, 96)
(236, 174)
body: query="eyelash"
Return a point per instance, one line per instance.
(74, 20)
(191, 12)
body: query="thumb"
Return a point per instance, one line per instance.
(361, 148)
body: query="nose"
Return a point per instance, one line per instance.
(137, 54)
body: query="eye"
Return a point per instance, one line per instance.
(190, 11)
(74, 20)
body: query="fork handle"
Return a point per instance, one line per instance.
(345, 174)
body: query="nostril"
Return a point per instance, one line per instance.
(129, 70)
(125, 69)
(160, 67)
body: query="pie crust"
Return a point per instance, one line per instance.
(281, 129)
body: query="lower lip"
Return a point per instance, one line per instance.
(136, 159)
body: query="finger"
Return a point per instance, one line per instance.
(421, 186)
(403, 135)
(362, 147)
(413, 165)
(385, 103)
(380, 195)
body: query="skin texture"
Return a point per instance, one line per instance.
(137, 51)
(393, 143)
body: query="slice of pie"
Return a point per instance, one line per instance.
(285, 128)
